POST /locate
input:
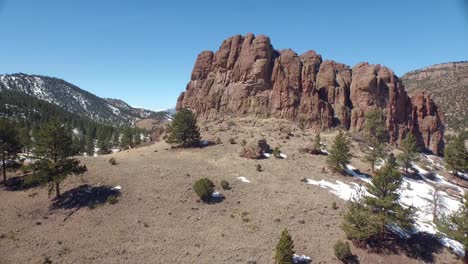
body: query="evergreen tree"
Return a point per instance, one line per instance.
(375, 125)
(384, 197)
(183, 129)
(90, 146)
(285, 249)
(127, 139)
(375, 138)
(24, 136)
(370, 216)
(116, 139)
(456, 155)
(103, 145)
(455, 226)
(10, 145)
(53, 147)
(137, 138)
(410, 152)
(340, 153)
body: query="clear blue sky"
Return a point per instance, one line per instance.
(143, 51)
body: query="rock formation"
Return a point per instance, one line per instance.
(247, 77)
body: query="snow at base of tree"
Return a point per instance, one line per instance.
(423, 194)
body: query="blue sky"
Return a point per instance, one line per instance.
(143, 51)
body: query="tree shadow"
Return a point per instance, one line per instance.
(201, 144)
(21, 183)
(85, 196)
(420, 246)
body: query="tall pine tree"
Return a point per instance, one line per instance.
(340, 153)
(10, 145)
(410, 152)
(184, 129)
(53, 147)
(456, 155)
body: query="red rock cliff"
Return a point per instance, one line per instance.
(247, 77)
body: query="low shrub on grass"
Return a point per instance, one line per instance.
(342, 250)
(113, 161)
(225, 185)
(204, 188)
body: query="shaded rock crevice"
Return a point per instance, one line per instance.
(248, 77)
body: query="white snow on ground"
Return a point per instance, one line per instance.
(417, 193)
(266, 155)
(204, 143)
(217, 195)
(118, 187)
(301, 259)
(283, 156)
(243, 179)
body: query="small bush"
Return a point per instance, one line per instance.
(232, 141)
(342, 250)
(218, 141)
(276, 152)
(204, 188)
(259, 167)
(225, 185)
(113, 161)
(334, 206)
(112, 199)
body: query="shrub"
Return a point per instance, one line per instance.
(225, 185)
(342, 250)
(259, 167)
(112, 199)
(276, 152)
(218, 141)
(232, 141)
(334, 206)
(113, 161)
(204, 188)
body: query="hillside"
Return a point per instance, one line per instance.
(73, 99)
(448, 83)
(158, 218)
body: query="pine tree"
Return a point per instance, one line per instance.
(90, 145)
(375, 138)
(340, 153)
(285, 249)
(137, 138)
(10, 144)
(384, 197)
(456, 155)
(184, 129)
(369, 217)
(410, 152)
(455, 226)
(103, 145)
(53, 147)
(127, 139)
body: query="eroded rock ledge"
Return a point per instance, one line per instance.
(248, 77)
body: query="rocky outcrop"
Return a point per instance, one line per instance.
(247, 77)
(255, 149)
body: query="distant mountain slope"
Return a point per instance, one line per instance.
(73, 99)
(448, 83)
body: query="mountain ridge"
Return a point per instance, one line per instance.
(74, 99)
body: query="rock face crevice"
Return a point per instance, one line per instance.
(248, 77)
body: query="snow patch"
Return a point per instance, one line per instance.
(243, 179)
(300, 259)
(423, 194)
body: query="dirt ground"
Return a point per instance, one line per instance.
(158, 218)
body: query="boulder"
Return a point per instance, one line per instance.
(255, 149)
